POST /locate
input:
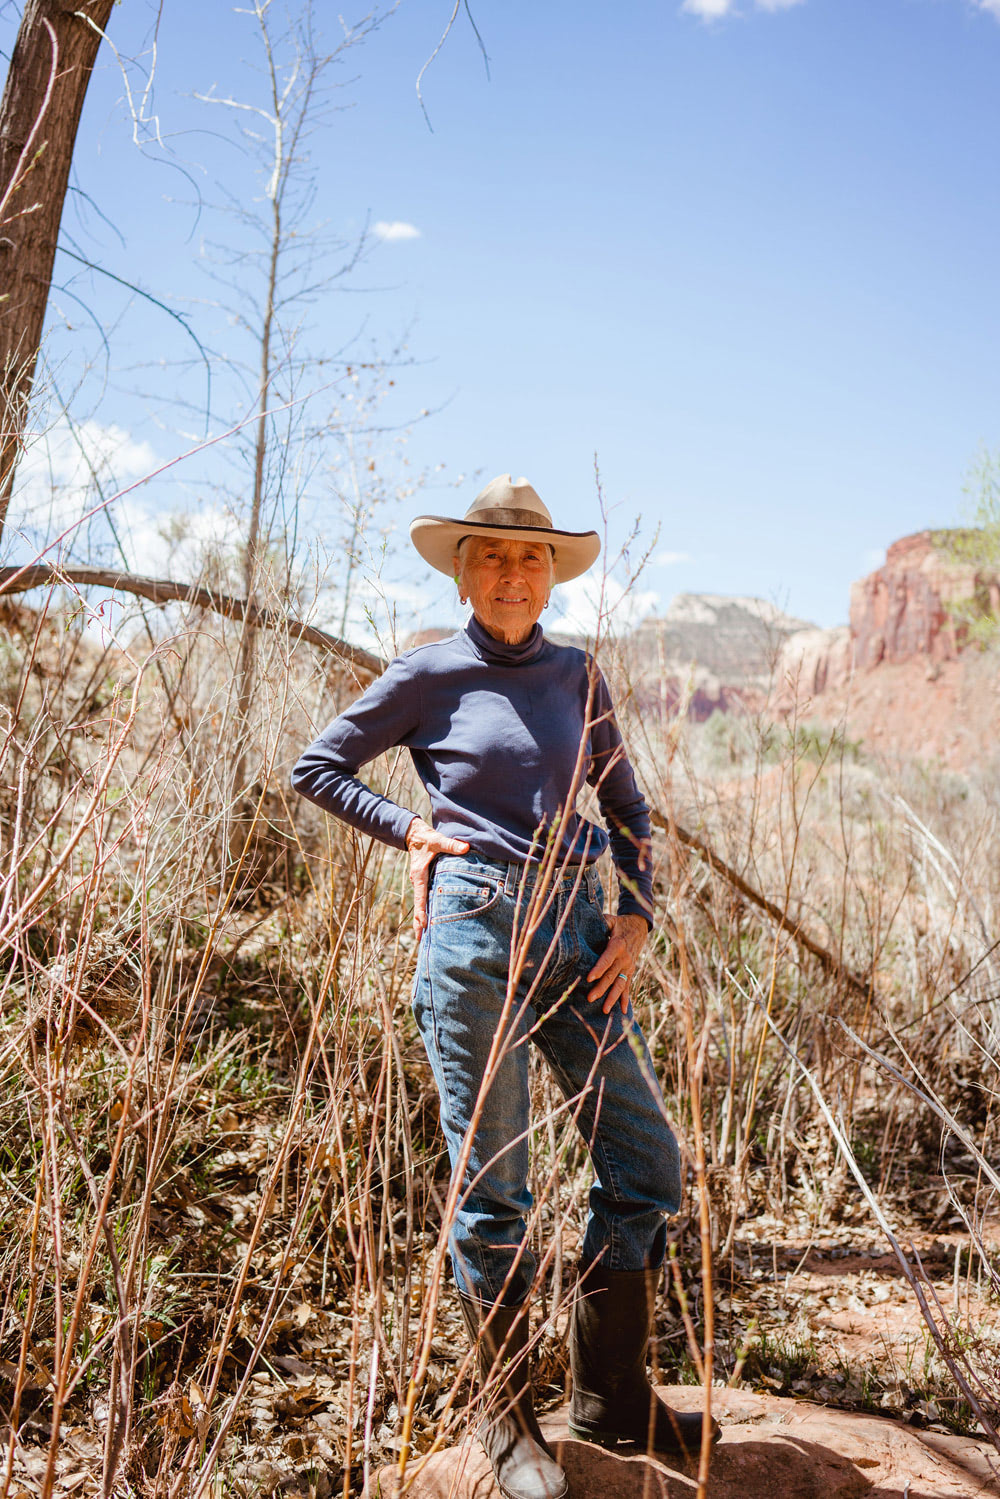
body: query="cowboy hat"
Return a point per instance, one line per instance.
(510, 509)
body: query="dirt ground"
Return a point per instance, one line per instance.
(838, 1392)
(839, 1323)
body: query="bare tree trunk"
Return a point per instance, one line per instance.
(39, 116)
(288, 115)
(254, 553)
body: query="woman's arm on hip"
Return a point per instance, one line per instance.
(424, 845)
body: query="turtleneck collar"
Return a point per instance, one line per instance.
(498, 652)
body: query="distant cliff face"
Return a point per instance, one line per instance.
(734, 639)
(899, 675)
(900, 612)
(812, 662)
(709, 652)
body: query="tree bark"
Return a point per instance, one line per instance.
(40, 111)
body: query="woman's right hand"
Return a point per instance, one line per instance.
(424, 845)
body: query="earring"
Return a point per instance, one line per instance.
(546, 604)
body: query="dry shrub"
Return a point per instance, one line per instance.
(222, 1175)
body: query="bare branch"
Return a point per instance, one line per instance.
(437, 49)
(782, 919)
(164, 591)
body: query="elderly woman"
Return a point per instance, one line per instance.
(504, 728)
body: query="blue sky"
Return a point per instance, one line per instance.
(743, 252)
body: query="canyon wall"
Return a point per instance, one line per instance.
(901, 611)
(902, 677)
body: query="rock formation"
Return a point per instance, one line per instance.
(769, 1447)
(902, 676)
(708, 653)
(735, 639)
(903, 610)
(812, 662)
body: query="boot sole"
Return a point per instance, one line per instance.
(609, 1440)
(513, 1494)
(606, 1439)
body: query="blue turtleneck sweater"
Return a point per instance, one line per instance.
(504, 738)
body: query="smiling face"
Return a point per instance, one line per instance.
(507, 582)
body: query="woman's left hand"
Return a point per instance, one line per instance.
(610, 978)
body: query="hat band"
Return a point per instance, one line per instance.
(501, 515)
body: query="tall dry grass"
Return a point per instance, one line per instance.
(223, 1185)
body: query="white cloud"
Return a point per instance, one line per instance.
(579, 607)
(64, 473)
(717, 10)
(395, 229)
(174, 543)
(709, 10)
(671, 559)
(991, 7)
(59, 475)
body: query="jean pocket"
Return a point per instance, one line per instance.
(455, 899)
(594, 927)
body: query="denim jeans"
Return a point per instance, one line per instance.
(600, 1062)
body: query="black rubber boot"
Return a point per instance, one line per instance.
(521, 1461)
(613, 1401)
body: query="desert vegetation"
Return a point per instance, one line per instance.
(223, 1180)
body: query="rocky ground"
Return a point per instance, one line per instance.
(839, 1397)
(838, 1394)
(771, 1448)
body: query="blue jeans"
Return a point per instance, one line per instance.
(601, 1063)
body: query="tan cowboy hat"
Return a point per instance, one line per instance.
(509, 508)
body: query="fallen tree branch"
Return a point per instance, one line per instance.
(828, 960)
(163, 591)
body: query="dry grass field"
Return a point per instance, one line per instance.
(221, 1176)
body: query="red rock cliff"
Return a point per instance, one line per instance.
(901, 612)
(898, 678)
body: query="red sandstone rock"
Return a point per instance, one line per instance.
(901, 611)
(770, 1449)
(899, 678)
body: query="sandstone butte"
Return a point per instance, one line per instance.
(771, 1448)
(902, 677)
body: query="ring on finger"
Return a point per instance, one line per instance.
(623, 976)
